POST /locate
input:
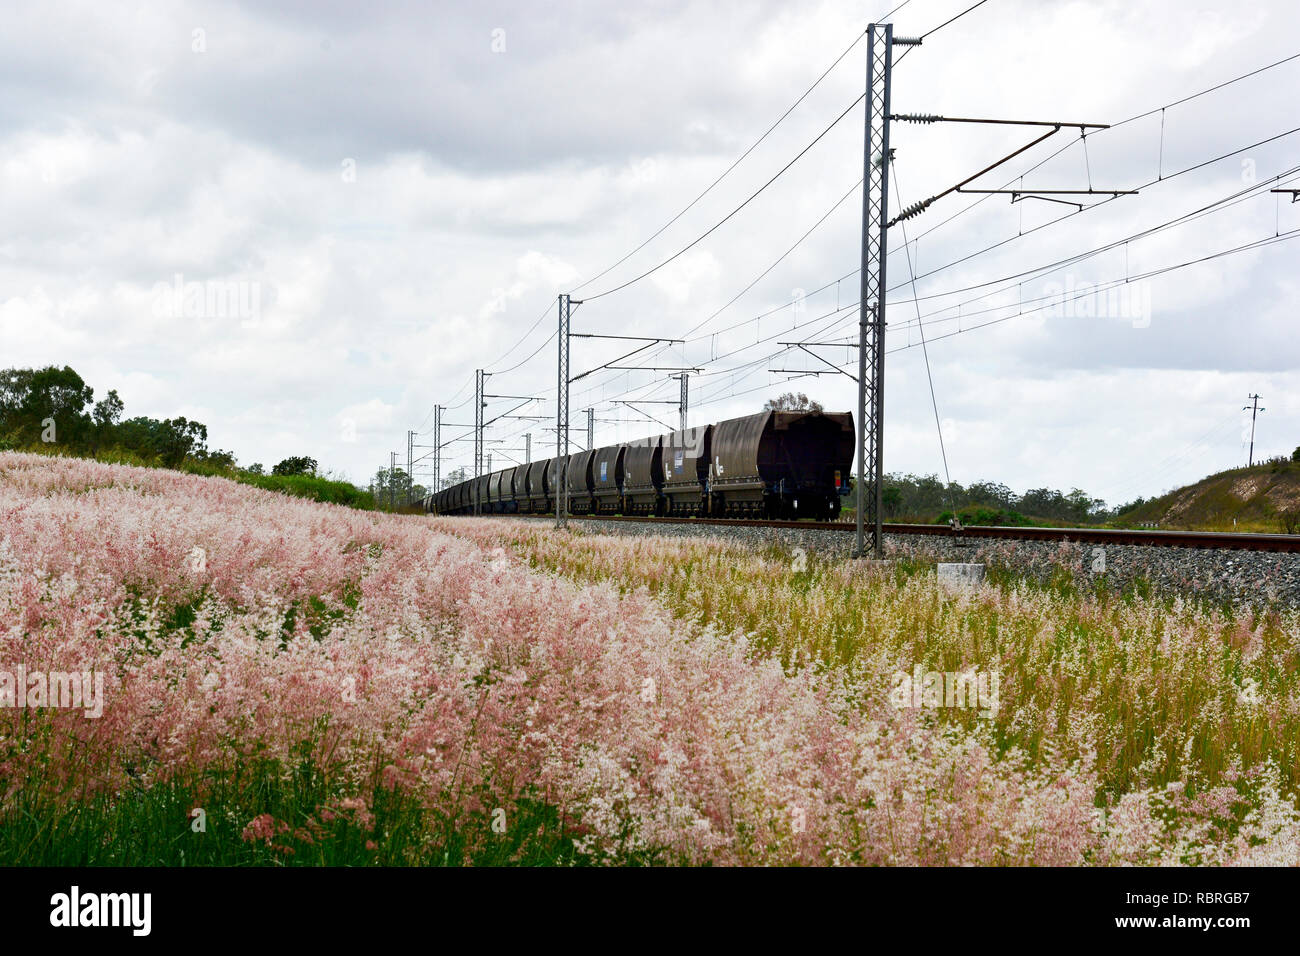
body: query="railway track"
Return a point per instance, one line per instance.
(1287, 543)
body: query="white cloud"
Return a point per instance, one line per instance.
(487, 183)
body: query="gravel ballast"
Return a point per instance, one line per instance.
(1243, 578)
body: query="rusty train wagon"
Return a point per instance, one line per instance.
(781, 464)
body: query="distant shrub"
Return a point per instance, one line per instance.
(297, 465)
(987, 516)
(310, 486)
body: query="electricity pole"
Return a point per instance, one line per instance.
(684, 401)
(591, 428)
(410, 465)
(564, 380)
(1254, 410)
(478, 434)
(437, 448)
(871, 309)
(562, 413)
(392, 473)
(528, 449)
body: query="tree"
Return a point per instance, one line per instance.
(28, 398)
(298, 465)
(395, 484)
(217, 458)
(108, 410)
(106, 414)
(793, 402)
(891, 499)
(990, 493)
(178, 438)
(255, 469)
(1295, 455)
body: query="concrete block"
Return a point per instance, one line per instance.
(954, 575)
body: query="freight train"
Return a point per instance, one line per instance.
(773, 464)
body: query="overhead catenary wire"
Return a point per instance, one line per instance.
(929, 375)
(721, 222)
(1137, 116)
(726, 172)
(1001, 243)
(1044, 269)
(914, 276)
(833, 316)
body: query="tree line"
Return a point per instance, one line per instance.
(54, 409)
(55, 406)
(925, 498)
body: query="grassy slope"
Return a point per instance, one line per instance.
(300, 486)
(1255, 497)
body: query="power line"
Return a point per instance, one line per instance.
(929, 376)
(694, 242)
(1051, 222)
(803, 96)
(1133, 118)
(1041, 270)
(1185, 99)
(953, 20)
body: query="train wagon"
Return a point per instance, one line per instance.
(643, 477)
(685, 459)
(781, 464)
(773, 464)
(607, 479)
(494, 504)
(551, 475)
(528, 487)
(480, 498)
(578, 482)
(509, 496)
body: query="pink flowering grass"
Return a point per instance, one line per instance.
(331, 685)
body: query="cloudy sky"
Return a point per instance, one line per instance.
(359, 204)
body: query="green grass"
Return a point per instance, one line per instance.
(155, 826)
(310, 486)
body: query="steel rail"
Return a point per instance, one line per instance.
(1226, 540)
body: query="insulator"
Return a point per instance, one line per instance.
(917, 118)
(913, 210)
